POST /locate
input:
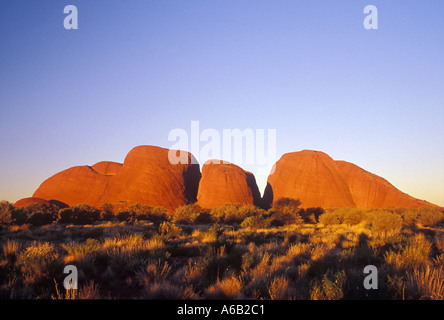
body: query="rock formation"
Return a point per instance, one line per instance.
(27, 201)
(146, 177)
(226, 183)
(107, 168)
(311, 176)
(319, 181)
(371, 191)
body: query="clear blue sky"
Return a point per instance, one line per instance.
(136, 69)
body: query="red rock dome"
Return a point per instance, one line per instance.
(27, 201)
(107, 168)
(371, 191)
(319, 181)
(225, 182)
(146, 177)
(311, 176)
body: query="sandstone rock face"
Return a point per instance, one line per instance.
(311, 176)
(26, 201)
(146, 177)
(319, 181)
(371, 191)
(223, 183)
(107, 168)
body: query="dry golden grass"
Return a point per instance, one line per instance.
(427, 283)
(320, 261)
(413, 256)
(228, 288)
(279, 288)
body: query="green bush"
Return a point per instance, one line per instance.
(255, 222)
(40, 218)
(350, 216)
(328, 289)
(107, 212)
(227, 213)
(329, 218)
(124, 216)
(168, 230)
(39, 262)
(139, 212)
(311, 215)
(6, 210)
(35, 214)
(384, 221)
(158, 215)
(235, 213)
(191, 214)
(284, 216)
(409, 216)
(285, 211)
(282, 203)
(430, 217)
(80, 215)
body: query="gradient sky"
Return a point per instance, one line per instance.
(134, 70)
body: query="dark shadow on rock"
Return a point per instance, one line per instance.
(267, 199)
(251, 183)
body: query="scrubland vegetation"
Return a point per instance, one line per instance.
(229, 252)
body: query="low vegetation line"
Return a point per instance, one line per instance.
(230, 252)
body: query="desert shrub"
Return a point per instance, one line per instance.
(124, 216)
(430, 217)
(311, 215)
(282, 203)
(206, 270)
(162, 290)
(384, 222)
(107, 216)
(158, 215)
(35, 214)
(39, 262)
(139, 211)
(285, 211)
(329, 218)
(247, 211)
(168, 230)
(11, 249)
(134, 212)
(19, 216)
(284, 216)
(426, 283)
(248, 261)
(39, 218)
(80, 251)
(350, 216)
(228, 288)
(191, 214)
(107, 212)
(6, 210)
(414, 254)
(278, 289)
(327, 289)
(235, 213)
(255, 222)
(154, 271)
(89, 291)
(227, 213)
(408, 216)
(80, 215)
(299, 252)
